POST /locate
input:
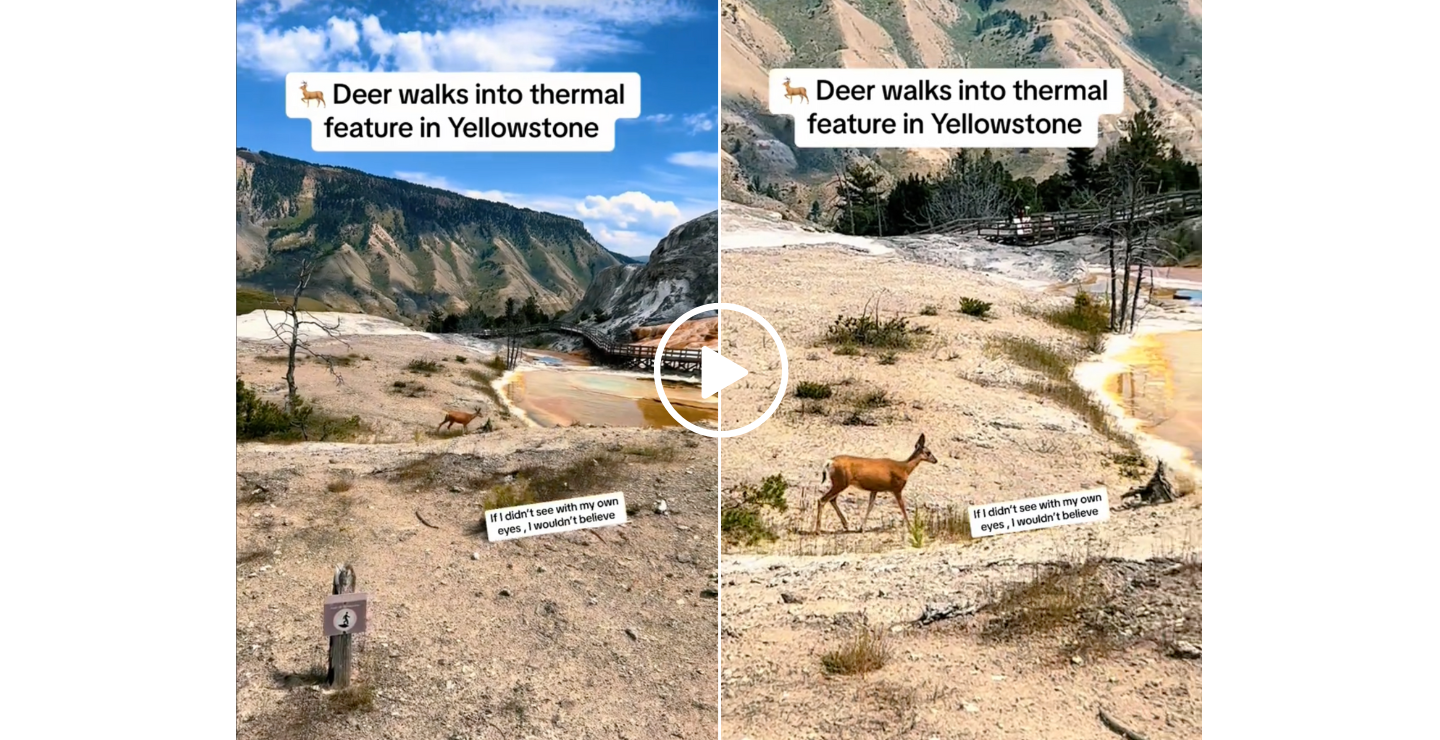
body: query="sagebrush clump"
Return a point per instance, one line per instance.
(743, 521)
(869, 330)
(257, 419)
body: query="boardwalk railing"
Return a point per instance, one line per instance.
(1042, 228)
(615, 353)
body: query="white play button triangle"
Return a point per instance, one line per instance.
(716, 372)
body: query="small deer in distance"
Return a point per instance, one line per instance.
(459, 417)
(874, 475)
(794, 92)
(308, 95)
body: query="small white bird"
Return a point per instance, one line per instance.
(660, 507)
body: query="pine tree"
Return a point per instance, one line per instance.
(906, 206)
(860, 201)
(1080, 169)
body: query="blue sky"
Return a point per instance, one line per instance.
(662, 173)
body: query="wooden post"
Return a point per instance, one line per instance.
(340, 645)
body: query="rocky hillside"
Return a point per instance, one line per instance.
(682, 273)
(400, 249)
(1155, 42)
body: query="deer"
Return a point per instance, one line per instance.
(875, 475)
(307, 95)
(793, 92)
(459, 417)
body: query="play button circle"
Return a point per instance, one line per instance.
(717, 372)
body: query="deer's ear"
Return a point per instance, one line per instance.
(921, 443)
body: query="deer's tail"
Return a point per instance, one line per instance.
(825, 471)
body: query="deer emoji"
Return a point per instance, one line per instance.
(794, 92)
(873, 474)
(307, 95)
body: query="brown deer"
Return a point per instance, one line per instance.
(872, 474)
(794, 92)
(307, 95)
(459, 417)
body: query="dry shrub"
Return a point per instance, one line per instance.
(864, 651)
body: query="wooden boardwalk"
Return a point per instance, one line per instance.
(1046, 228)
(628, 356)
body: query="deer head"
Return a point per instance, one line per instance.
(923, 452)
(787, 80)
(303, 84)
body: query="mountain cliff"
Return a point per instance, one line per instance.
(683, 272)
(1155, 42)
(400, 249)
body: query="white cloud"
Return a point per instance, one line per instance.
(707, 160)
(494, 35)
(700, 122)
(298, 49)
(344, 36)
(630, 223)
(622, 12)
(633, 243)
(693, 123)
(628, 209)
(515, 47)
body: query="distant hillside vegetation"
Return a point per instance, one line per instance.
(399, 249)
(1156, 43)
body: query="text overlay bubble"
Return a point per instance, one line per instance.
(1081, 507)
(462, 111)
(551, 517)
(946, 108)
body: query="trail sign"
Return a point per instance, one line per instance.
(345, 614)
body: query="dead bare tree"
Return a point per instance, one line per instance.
(970, 188)
(1132, 265)
(1132, 178)
(291, 331)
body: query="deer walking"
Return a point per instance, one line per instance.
(307, 95)
(874, 475)
(794, 92)
(459, 417)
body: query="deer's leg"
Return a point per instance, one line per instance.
(441, 424)
(819, 509)
(868, 507)
(844, 525)
(829, 496)
(900, 500)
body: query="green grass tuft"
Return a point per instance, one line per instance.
(975, 307)
(812, 390)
